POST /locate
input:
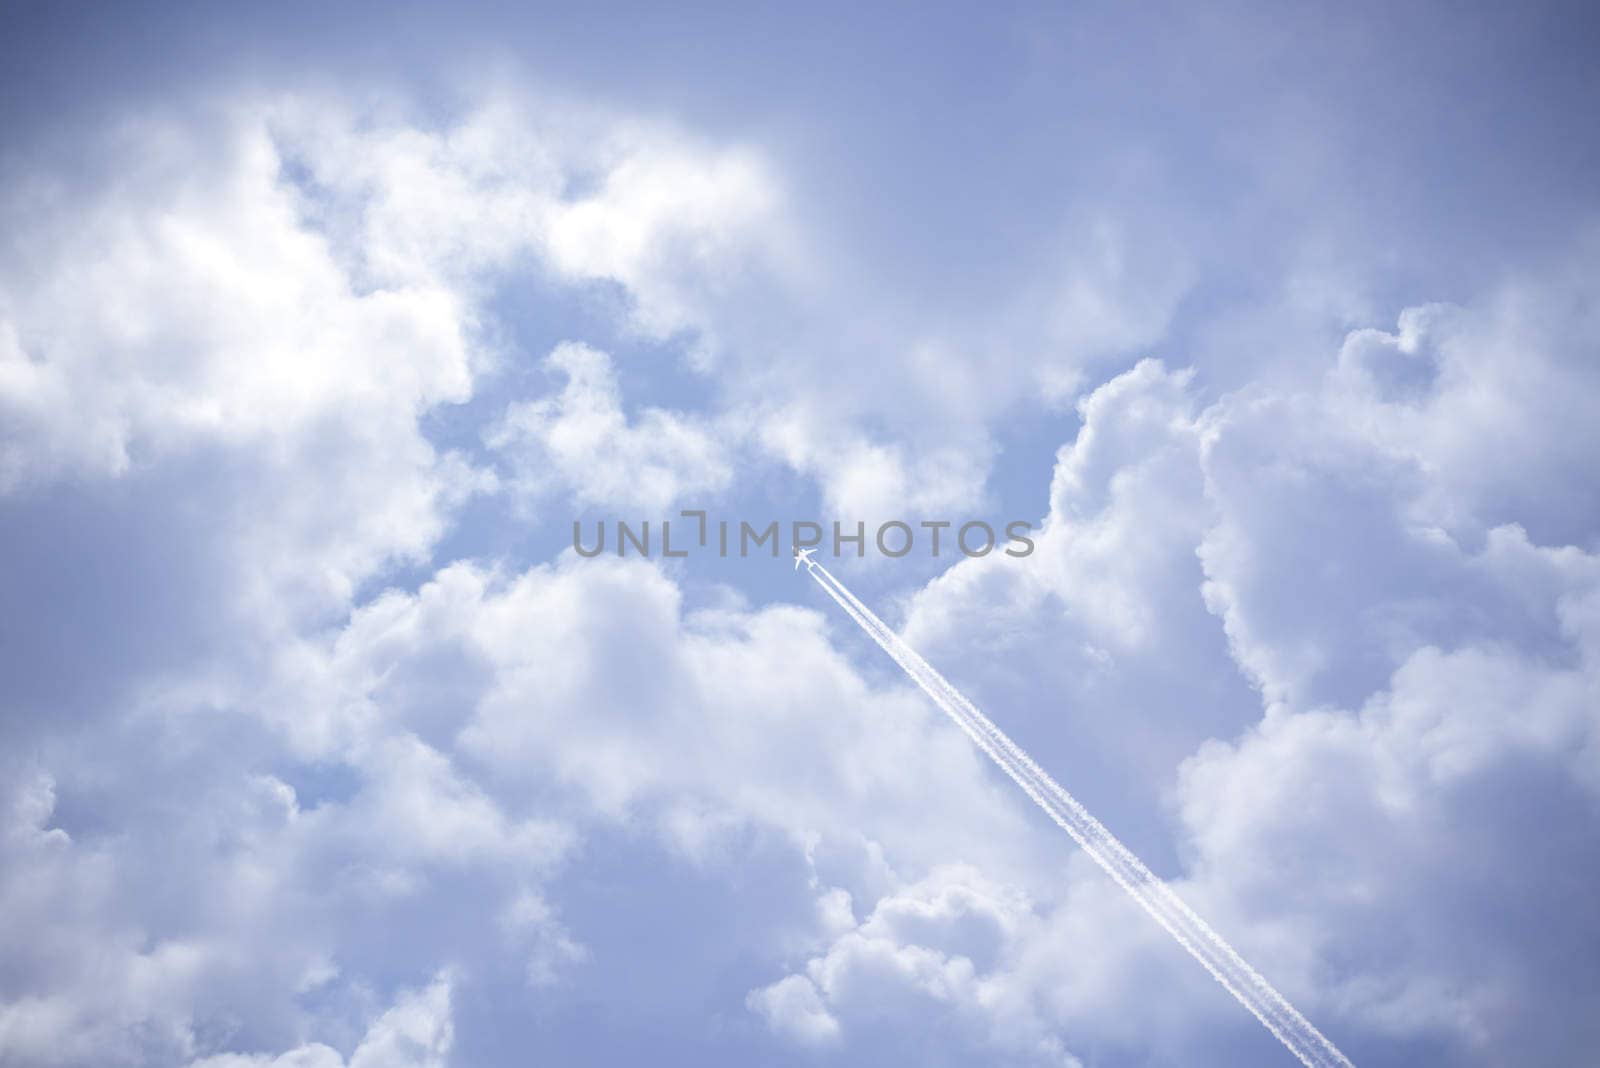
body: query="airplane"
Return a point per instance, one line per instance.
(802, 556)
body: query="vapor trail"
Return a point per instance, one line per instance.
(1193, 933)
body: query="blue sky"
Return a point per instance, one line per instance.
(320, 749)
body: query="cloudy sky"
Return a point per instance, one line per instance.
(321, 748)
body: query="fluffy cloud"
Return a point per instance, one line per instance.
(941, 944)
(594, 198)
(515, 672)
(253, 803)
(581, 441)
(867, 479)
(1095, 651)
(1475, 773)
(1490, 403)
(182, 314)
(219, 911)
(1426, 668)
(415, 1033)
(281, 292)
(451, 750)
(219, 356)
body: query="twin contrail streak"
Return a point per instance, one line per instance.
(1193, 933)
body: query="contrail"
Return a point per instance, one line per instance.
(1193, 933)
